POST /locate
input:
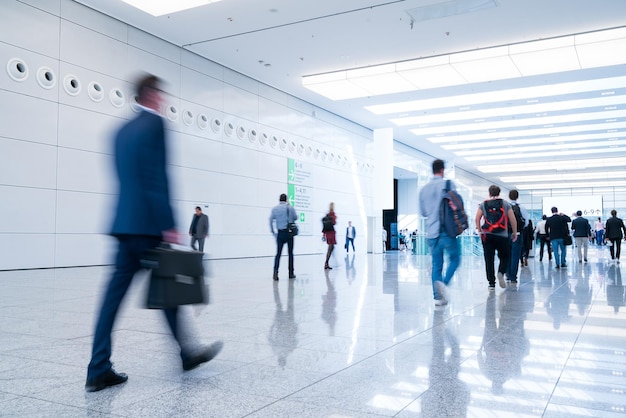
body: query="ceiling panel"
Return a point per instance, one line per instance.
(493, 127)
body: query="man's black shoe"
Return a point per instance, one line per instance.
(275, 275)
(110, 378)
(292, 276)
(202, 357)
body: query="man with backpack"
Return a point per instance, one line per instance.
(430, 199)
(522, 218)
(492, 220)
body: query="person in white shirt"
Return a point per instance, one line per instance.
(540, 230)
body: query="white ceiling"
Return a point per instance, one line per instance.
(279, 41)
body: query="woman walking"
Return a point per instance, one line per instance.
(328, 229)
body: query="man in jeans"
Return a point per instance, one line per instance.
(517, 244)
(430, 198)
(557, 229)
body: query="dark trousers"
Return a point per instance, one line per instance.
(200, 243)
(348, 242)
(127, 263)
(615, 248)
(543, 241)
(491, 244)
(283, 237)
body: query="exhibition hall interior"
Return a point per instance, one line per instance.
(345, 103)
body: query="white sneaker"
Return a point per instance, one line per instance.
(501, 280)
(441, 289)
(441, 302)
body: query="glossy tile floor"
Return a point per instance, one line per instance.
(361, 340)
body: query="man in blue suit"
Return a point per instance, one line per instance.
(143, 219)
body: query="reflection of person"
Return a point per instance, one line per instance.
(615, 288)
(496, 240)
(599, 228)
(282, 215)
(557, 305)
(282, 335)
(582, 291)
(199, 229)
(557, 229)
(384, 240)
(447, 395)
(143, 218)
(544, 240)
(329, 303)
(350, 271)
(504, 344)
(328, 230)
(350, 235)
(582, 233)
(438, 241)
(614, 234)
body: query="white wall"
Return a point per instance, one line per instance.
(56, 179)
(408, 204)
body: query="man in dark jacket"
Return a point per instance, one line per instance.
(143, 219)
(582, 234)
(557, 229)
(615, 231)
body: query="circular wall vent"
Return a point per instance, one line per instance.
(274, 141)
(264, 138)
(216, 125)
(171, 112)
(300, 149)
(188, 117)
(241, 132)
(17, 69)
(203, 121)
(71, 84)
(229, 129)
(95, 91)
(46, 78)
(117, 98)
(252, 135)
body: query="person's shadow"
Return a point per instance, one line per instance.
(447, 395)
(504, 344)
(329, 303)
(282, 334)
(614, 288)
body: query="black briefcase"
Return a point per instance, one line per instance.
(176, 278)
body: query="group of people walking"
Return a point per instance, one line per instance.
(506, 230)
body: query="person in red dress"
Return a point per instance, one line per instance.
(329, 233)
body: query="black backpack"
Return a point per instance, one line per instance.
(496, 219)
(327, 223)
(518, 217)
(452, 216)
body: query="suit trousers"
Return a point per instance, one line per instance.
(200, 242)
(127, 263)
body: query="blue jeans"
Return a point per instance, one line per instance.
(284, 237)
(438, 246)
(558, 248)
(599, 237)
(516, 253)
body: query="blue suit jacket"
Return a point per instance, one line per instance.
(143, 206)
